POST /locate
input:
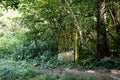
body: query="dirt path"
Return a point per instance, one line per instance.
(101, 72)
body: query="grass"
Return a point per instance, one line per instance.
(46, 76)
(69, 76)
(12, 70)
(22, 70)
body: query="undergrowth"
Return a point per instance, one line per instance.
(107, 62)
(27, 70)
(12, 70)
(66, 76)
(70, 76)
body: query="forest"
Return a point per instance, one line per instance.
(59, 40)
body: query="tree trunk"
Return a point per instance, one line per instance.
(102, 46)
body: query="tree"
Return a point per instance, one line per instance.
(102, 46)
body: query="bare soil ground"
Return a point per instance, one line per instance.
(106, 74)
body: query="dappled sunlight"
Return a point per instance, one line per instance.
(7, 25)
(8, 15)
(90, 71)
(59, 40)
(116, 72)
(66, 56)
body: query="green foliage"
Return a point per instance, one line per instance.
(86, 64)
(42, 22)
(107, 62)
(51, 63)
(45, 77)
(66, 76)
(48, 62)
(14, 3)
(13, 74)
(13, 70)
(69, 76)
(36, 36)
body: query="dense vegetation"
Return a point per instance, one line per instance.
(34, 32)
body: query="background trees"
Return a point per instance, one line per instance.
(43, 21)
(34, 32)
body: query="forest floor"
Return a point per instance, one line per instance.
(18, 70)
(106, 74)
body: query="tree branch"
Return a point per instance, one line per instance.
(111, 15)
(83, 42)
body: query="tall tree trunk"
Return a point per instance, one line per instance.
(102, 46)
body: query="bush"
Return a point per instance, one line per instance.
(46, 76)
(12, 70)
(86, 64)
(110, 62)
(54, 63)
(107, 62)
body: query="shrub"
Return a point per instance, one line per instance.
(45, 77)
(107, 62)
(12, 70)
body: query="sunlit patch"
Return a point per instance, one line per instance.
(66, 56)
(8, 15)
(115, 71)
(67, 69)
(90, 71)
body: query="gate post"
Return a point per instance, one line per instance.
(76, 45)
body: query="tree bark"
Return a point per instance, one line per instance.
(102, 46)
